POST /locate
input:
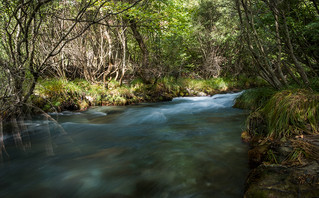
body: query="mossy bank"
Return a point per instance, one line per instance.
(283, 133)
(61, 94)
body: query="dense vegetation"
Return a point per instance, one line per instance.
(60, 55)
(118, 41)
(92, 47)
(124, 52)
(61, 94)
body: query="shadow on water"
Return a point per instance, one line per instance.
(188, 148)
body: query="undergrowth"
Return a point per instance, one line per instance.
(61, 94)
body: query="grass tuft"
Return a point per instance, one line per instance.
(292, 112)
(253, 99)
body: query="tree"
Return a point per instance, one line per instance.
(270, 29)
(30, 41)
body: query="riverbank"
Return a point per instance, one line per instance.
(282, 131)
(60, 94)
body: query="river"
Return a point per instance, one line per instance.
(187, 148)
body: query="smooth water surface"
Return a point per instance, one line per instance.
(189, 147)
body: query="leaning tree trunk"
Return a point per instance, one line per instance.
(123, 40)
(145, 54)
(258, 52)
(299, 68)
(279, 63)
(110, 60)
(140, 42)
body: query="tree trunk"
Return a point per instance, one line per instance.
(278, 65)
(259, 54)
(291, 74)
(138, 37)
(123, 40)
(299, 67)
(110, 60)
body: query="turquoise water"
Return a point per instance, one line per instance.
(186, 148)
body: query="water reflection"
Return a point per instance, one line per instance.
(189, 147)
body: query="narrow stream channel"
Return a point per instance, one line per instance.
(186, 148)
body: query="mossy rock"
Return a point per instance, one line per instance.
(272, 181)
(258, 154)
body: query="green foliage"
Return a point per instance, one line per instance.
(314, 84)
(60, 94)
(293, 25)
(254, 99)
(249, 82)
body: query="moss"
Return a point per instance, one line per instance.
(267, 193)
(283, 181)
(256, 192)
(60, 94)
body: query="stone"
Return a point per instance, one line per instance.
(271, 181)
(201, 94)
(257, 154)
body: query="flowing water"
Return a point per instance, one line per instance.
(186, 148)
